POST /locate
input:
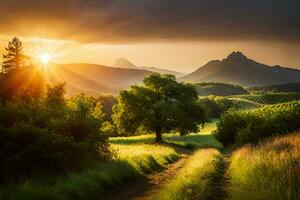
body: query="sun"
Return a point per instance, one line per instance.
(45, 58)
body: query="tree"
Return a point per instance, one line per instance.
(161, 105)
(14, 58)
(55, 95)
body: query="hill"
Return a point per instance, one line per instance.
(94, 79)
(219, 89)
(238, 69)
(126, 64)
(286, 88)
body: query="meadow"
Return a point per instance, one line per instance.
(269, 170)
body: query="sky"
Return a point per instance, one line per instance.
(172, 34)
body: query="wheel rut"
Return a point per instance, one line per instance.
(146, 188)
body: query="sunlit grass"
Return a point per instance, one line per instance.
(201, 178)
(146, 157)
(203, 139)
(134, 161)
(268, 171)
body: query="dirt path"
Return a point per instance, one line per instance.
(144, 189)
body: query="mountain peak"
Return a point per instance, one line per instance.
(124, 63)
(236, 55)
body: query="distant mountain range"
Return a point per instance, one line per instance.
(126, 64)
(238, 69)
(95, 79)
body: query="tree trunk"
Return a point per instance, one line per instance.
(158, 136)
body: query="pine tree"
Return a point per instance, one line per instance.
(14, 58)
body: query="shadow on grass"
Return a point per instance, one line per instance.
(191, 142)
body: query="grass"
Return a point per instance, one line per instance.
(146, 158)
(204, 139)
(134, 162)
(137, 156)
(201, 178)
(270, 170)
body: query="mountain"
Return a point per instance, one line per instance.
(126, 64)
(94, 79)
(163, 71)
(238, 69)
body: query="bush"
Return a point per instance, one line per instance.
(51, 135)
(27, 150)
(215, 106)
(251, 126)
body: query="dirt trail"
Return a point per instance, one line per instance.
(144, 189)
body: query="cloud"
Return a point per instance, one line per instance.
(130, 21)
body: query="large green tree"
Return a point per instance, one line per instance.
(161, 105)
(14, 57)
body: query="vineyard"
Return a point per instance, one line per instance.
(271, 98)
(248, 102)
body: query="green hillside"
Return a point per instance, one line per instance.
(219, 89)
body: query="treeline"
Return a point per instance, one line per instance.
(219, 89)
(225, 89)
(286, 88)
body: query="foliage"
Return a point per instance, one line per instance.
(219, 89)
(14, 58)
(134, 162)
(267, 171)
(107, 103)
(27, 150)
(21, 84)
(50, 135)
(287, 88)
(250, 126)
(200, 179)
(215, 106)
(161, 105)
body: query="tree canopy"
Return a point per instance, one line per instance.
(14, 57)
(161, 105)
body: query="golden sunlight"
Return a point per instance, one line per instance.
(45, 58)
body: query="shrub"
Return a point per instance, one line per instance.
(251, 126)
(27, 150)
(215, 106)
(51, 135)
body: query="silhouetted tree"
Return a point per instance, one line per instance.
(14, 58)
(161, 105)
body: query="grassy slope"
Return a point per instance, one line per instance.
(134, 162)
(137, 156)
(268, 171)
(203, 172)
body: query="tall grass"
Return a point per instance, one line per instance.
(134, 162)
(270, 170)
(202, 178)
